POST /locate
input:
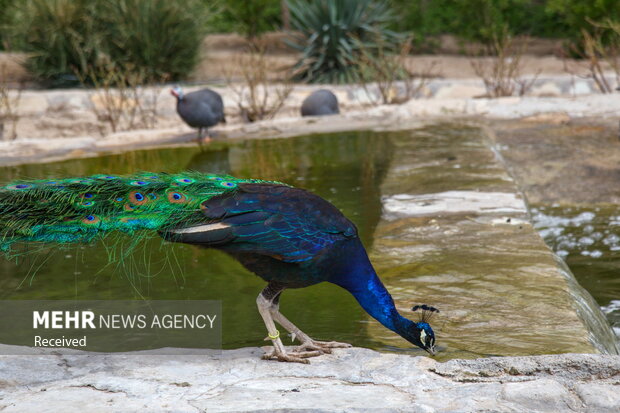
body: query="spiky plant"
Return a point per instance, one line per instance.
(333, 33)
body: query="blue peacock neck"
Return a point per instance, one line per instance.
(360, 279)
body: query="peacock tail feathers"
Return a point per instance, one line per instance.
(84, 209)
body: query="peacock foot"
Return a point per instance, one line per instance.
(324, 347)
(291, 357)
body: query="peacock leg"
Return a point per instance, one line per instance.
(307, 343)
(264, 301)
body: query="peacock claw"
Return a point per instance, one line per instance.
(292, 357)
(324, 347)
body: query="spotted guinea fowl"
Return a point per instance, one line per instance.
(289, 237)
(200, 109)
(320, 103)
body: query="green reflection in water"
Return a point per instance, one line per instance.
(345, 168)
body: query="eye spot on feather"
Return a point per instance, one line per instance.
(153, 196)
(18, 186)
(79, 181)
(129, 208)
(228, 184)
(88, 195)
(137, 198)
(177, 197)
(87, 204)
(91, 219)
(119, 199)
(185, 181)
(138, 183)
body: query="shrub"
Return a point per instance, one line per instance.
(69, 37)
(390, 73)
(252, 17)
(333, 33)
(577, 14)
(599, 46)
(256, 97)
(60, 36)
(479, 20)
(159, 37)
(501, 73)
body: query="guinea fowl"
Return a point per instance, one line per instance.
(200, 109)
(289, 237)
(320, 103)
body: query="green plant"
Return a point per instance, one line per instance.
(160, 38)
(577, 14)
(5, 17)
(477, 20)
(59, 35)
(332, 33)
(65, 37)
(253, 17)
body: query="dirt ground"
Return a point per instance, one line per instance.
(223, 54)
(221, 57)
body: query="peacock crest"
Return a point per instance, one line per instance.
(426, 313)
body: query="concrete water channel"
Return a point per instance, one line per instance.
(447, 226)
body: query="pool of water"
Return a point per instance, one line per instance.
(455, 259)
(346, 169)
(588, 239)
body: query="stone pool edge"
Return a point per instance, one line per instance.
(583, 303)
(407, 115)
(348, 380)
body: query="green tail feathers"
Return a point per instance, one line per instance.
(84, 209)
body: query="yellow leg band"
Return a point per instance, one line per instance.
(274, 337)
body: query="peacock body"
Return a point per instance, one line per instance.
(288, 236)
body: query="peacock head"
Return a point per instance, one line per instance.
(177, 92)
(421, 334)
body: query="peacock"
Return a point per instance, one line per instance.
(289, 237)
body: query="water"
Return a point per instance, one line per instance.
(345, 169)
(464, 264)
(588, 239)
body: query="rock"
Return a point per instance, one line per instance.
(599, 398)
(540, 396)
(353, 379)
(460, 91)
(546, 89)
(553, 118)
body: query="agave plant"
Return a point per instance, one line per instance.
(332, 34)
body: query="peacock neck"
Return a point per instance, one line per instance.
(361, 280)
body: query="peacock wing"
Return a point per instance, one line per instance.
(289, 224)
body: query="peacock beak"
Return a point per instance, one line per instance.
(431, 350)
